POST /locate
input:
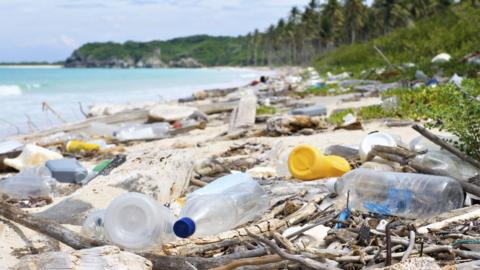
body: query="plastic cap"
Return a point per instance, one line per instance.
(184, 227)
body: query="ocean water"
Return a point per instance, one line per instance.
(23, 90)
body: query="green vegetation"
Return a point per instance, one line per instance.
(446, 107)
(453, 30)
(363, 113)
(266, 110)
(210, 51)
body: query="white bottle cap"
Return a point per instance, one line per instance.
(131, 221)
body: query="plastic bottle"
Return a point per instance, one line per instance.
(400, 194)
(29, 183)
(279, 159)
(222, 205)
(137, 222)
(32, 156)
(67, 170)
(310, 111)
(77, 146)
(142, 132)
(93, 226)
(307, 163)
(447, 164)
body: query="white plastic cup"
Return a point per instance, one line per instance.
(377, 138)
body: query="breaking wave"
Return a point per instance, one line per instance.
(10, 90)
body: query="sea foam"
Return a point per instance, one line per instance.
(10, 90)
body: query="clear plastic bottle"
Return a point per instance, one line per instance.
(141, 132)
(400, 194)
(222, 205)
(29, 183)
(137, 222)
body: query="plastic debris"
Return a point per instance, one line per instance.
(400, 194)
(223, 204)
(32, 156)
(441, 58)
(377, 138)
(137, 222)
(29, 183)
(67, 170)
(307, 163)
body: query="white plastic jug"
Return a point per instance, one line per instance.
(136, 221)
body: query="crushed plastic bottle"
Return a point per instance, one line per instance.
(222, 205)
(93, 226)
(406, 195)
(137, 222)
(77, 146)
(143, 132)
(29, 183)
(32, 156)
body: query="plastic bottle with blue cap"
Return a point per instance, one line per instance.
(222, 205)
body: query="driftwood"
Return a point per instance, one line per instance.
(267, 259)
(130, 116)
(217, 165)
(217, 107)
(47, 227)
(307, 262)
(435, 139)
(243, 116)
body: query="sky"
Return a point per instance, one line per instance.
(49, 30)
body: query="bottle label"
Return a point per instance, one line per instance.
(397, 201)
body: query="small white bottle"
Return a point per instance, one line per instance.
(137, 222)
(222, 205)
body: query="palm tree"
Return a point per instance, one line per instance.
(332, 22)
(355, 13)
(392, 14)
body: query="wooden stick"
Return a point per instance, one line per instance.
(435, 139)
(410, 245)
(198, 183)
(296, 258)
(47, 227)
(251, 261)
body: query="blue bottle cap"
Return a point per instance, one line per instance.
(184, 227)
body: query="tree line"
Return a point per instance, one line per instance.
(318, 28)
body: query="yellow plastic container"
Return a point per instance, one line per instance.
(77, 146)
(307, 163)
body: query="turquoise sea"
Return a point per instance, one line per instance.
(24, 89)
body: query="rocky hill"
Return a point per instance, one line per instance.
(189, 52)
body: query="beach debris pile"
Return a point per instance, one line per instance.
(211, 183)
